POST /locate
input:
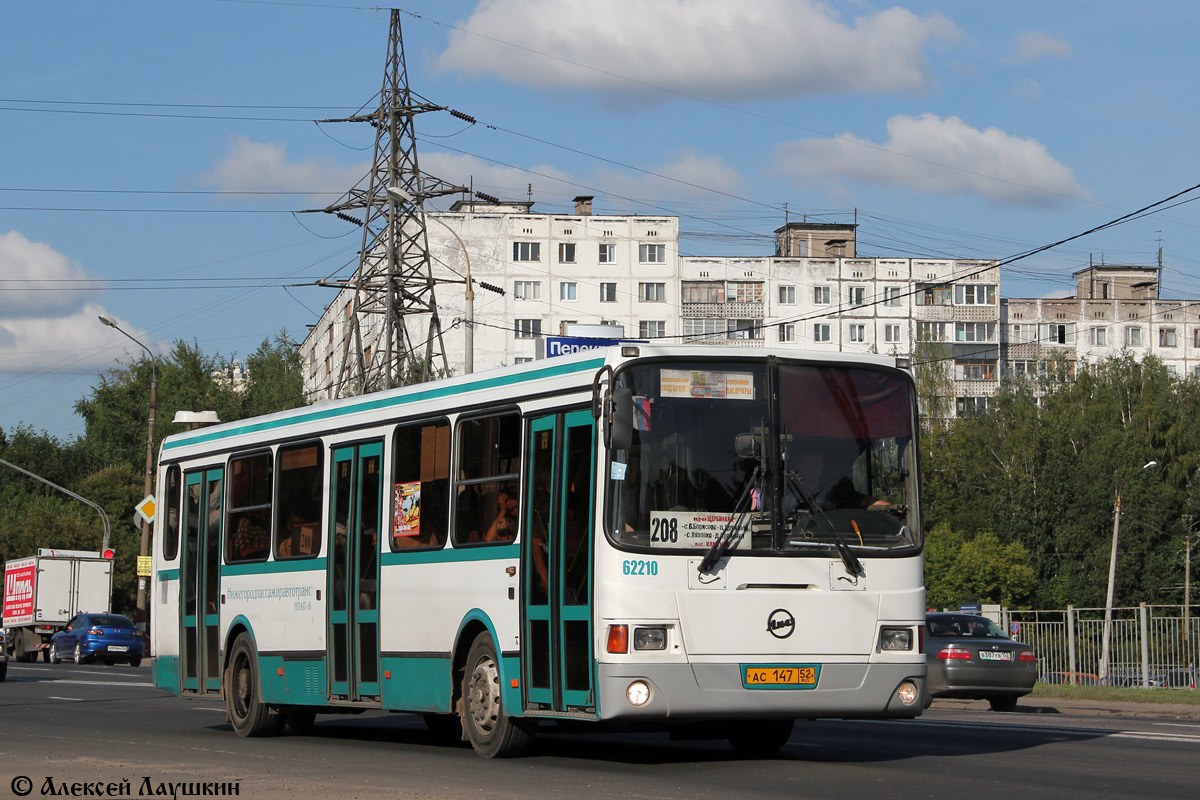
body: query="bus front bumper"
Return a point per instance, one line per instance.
(714, 691)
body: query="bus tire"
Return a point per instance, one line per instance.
(760, 737)
(249, 715)
(491, 731)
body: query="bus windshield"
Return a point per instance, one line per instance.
(713, 456)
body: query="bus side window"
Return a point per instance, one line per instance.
(421, 493)
(298, 523)
(488, 491)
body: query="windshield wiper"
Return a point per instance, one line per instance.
(853, 566)
(731, 531)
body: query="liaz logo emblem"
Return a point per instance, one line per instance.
(781, 623)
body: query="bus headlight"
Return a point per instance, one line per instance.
(649, 638)
(638, 693)
(895, 639)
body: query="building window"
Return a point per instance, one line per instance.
(974, 331)
(787, 295)
(858, 333)
(1099, 337)
(703, 328)
(522, 360)
(745, 292)
(892, 296)
(566, 253)
(652, 253)
(608, 254)
(929, 294)
(821, 295)
(1021, 369)
(787, 332)
(527, 251)
(971, 406)
(703, 292)
(1166, 337)
(1019, 334)
(568, 290)
(527, 290)
(971, 294)
(745, 329)
(652, 329)
(1058, 333)
(932, 332)
(975, 370)
(858, 295)
(891, 333)
(1133, 337)
(820, 332)
(527, 328)
(608, 293)
(652, 292)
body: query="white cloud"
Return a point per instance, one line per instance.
(264, 167)
(506, 183)
(52, 323)
(764, 48)
(1029, 47)
(933, 155)
(689, 176)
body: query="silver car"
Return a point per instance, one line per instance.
(971, 657)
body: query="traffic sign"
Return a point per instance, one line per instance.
(145, 509)
(1014, 628)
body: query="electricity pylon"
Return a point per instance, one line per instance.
(394, 281)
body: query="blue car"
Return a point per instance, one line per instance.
(110, 637)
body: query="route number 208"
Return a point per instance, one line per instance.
(664, 530)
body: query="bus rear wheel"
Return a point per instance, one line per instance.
(760, 737)
(493, 733)
(249, 715)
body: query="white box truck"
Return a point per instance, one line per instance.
(43, 592)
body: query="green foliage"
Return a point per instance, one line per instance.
(1042, 469)
(107, 465)
(960, 569)
(274, 380)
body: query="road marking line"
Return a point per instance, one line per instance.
(100, 683)
(74, 699)
(207, 708)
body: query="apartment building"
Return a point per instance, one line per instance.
(561, 270)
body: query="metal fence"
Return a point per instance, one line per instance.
(1148, 645)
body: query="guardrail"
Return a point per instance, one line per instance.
(1150, 645)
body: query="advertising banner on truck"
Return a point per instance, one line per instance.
(19, 578)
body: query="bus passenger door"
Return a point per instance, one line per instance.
(557, 563)
(354, 572)
(200, 584)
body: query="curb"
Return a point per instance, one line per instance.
(1050, 705)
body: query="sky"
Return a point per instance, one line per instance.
(157, 158)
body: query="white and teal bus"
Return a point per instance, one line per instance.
(693, 539)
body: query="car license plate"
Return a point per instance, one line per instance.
(995, 655)
(780, 676)
(117, 648)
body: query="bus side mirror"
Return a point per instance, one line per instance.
(620, 422)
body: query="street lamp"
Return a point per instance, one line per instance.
(1112, 575)
(399, 195)
(149, 481)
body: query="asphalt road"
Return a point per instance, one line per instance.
(102, 728)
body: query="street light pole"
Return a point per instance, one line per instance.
(149, 477)
(1106, 645)
(398, 194)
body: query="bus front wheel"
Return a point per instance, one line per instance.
(493, 733)
(248, 713)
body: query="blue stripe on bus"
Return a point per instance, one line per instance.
(386, 402)
(264, 567)
(168, 574)
(447, 555)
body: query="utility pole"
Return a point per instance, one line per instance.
(394, 281)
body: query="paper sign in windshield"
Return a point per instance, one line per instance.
(709, 384)
(693, 528)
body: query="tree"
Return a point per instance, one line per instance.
(274, 377)
(980, 568)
